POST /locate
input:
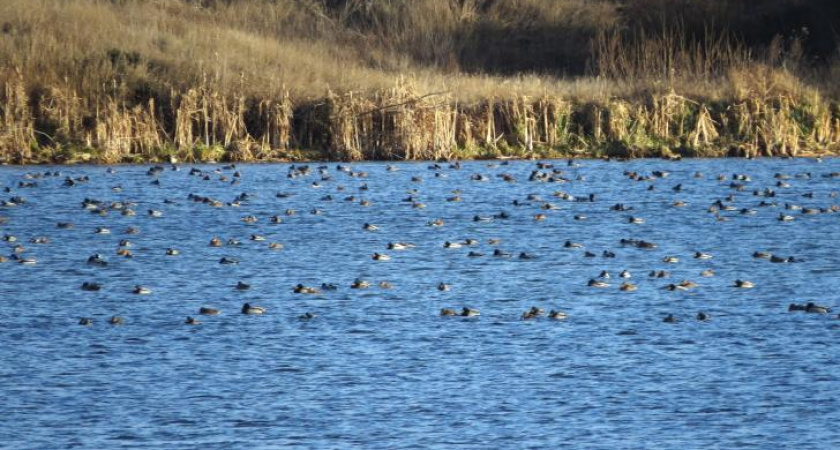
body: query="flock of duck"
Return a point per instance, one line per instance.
(542, 172)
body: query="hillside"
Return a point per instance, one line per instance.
(130, 80)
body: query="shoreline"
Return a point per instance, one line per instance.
(819, 158)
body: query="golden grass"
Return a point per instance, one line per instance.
(131, 80)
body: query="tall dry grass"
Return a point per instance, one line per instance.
(132, 80)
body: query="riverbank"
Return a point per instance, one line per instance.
(281, 80)
(400, 123)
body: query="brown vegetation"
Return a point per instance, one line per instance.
(130, 81)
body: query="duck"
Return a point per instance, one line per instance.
(226, 260)
(360, 284)
(307, 316)
(500, 254)
(399, 246)
(570, 244)
(240, 286)
(702, 317)
(816, 309)
(370, 227)
(670, 319)
(448, 312)
(779, 259)
(744, 284)
(116, 320)
(646, 245)
(155, 213)
(206, 311)
(380, 257)
(628, 287)
(635, 220)
(448, 244)
(141, 290)
(671, 259)
(469, 312)
(275, 246)
(102, 230)
(707, 273)
(257, 238)
(25, 260)
(701, 255)
(192, 321)
(443, 287)
(301, 289)
(625, 274)
(248, 309)
(557, 315)
(215, 242)
(86, 321)
(172, 252)
(385, 285)
(762, 255)
(90, 286)
(598, 284)
(604, 274)
(528, 315)
(97, 260)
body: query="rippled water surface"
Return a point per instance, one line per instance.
(380, 368)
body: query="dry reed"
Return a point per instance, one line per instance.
(256, 80)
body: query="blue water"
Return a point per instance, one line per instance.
(380, 368)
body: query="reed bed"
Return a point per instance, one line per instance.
(401, 123)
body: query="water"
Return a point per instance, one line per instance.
(379, 368)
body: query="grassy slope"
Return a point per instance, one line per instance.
(252, 79)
